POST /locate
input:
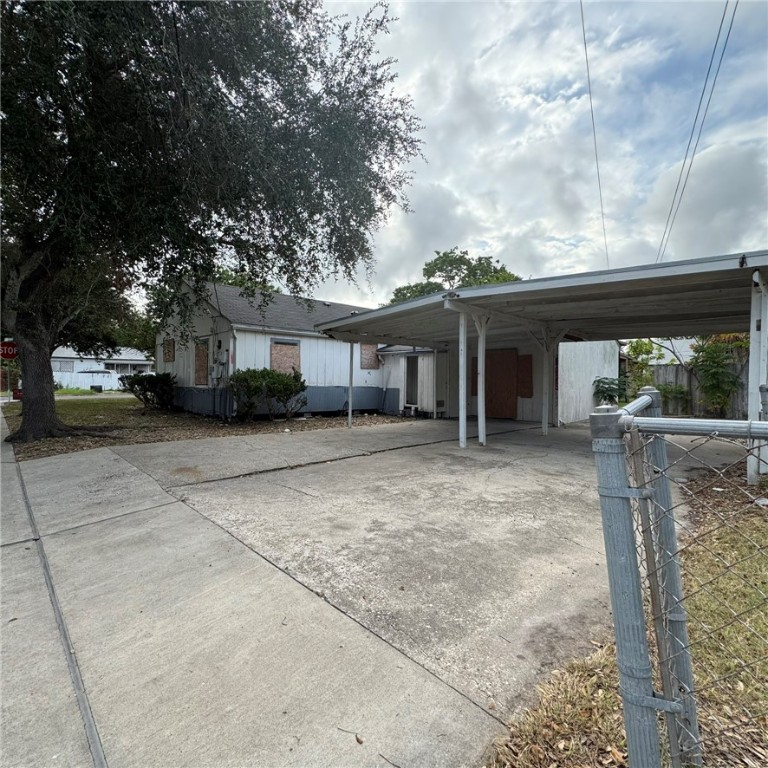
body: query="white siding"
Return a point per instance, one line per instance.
(324, 362)
(393, 376)
(205, 326)
(580, 363)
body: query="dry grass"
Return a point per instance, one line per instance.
(577, 723)
(122, 421)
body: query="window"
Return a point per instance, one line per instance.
(66, 366)
(369, 360)
(169, 350)
(285, 355)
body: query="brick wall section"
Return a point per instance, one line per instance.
(369, 360)
(285, 357)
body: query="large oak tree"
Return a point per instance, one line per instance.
(147, 143)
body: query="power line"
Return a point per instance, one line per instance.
(677, 200)
(594, 132)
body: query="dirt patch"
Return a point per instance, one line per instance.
(125, 422)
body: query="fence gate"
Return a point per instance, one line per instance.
(687, 553)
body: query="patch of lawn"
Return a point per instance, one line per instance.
(122, 421)
(724, 559)
(73, 391)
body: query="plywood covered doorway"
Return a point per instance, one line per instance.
(501, 382)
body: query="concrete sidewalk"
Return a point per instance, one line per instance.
(194, 650)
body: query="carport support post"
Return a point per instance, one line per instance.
(481, 323)
(462, 379)
(351, 383)
(434, 383)
(757, 457)
(635, 680)
(547, 374)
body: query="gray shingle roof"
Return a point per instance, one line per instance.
(282, 312)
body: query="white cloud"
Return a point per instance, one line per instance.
(501, 88)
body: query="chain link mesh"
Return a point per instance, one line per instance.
(702, 540)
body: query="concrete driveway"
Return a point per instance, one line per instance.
(326, 598)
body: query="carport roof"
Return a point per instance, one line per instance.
(682, 298)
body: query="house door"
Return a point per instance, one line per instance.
(501, 384)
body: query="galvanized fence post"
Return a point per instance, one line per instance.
(635, 678)
(677, 652)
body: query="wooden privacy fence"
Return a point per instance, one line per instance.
(673, 380)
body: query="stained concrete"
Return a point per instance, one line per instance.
(195, 651)
(80, 488)
(40, 724)
(196, 461)
(485, 565)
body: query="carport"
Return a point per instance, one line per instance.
(721, 294)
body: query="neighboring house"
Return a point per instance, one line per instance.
(72, 370)
(230, 333)
(410, 371)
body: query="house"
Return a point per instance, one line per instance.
(73, 370)
(230, 332)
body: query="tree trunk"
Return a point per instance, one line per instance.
(38, 408)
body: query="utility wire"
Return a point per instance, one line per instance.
(677, 200)
(594, 132)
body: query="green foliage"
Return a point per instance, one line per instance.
(154, 390)
(606, 390)
(713, 362)
(241, 278)
(454, 269)
(641, 355)
(280, 393)
(138, 330)
(146, 143)
(674, 393)
(415, 291)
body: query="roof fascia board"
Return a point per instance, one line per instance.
(274, 329)
(646, 272)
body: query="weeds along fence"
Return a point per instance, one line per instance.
(686, 547)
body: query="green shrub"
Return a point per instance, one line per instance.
(712, 364)
(606, 390)
(672, 392)
(154, 390)
(288, 391)
(280, 393)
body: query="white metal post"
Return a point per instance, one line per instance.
(434, 384)
(481, 323)
(351, 383)
(546, 379)
(758, 372)
(462, 379)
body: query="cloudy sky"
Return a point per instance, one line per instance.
(501, 88)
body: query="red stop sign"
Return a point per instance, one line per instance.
(8, 350)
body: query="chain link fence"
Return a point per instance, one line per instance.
(687, 552)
